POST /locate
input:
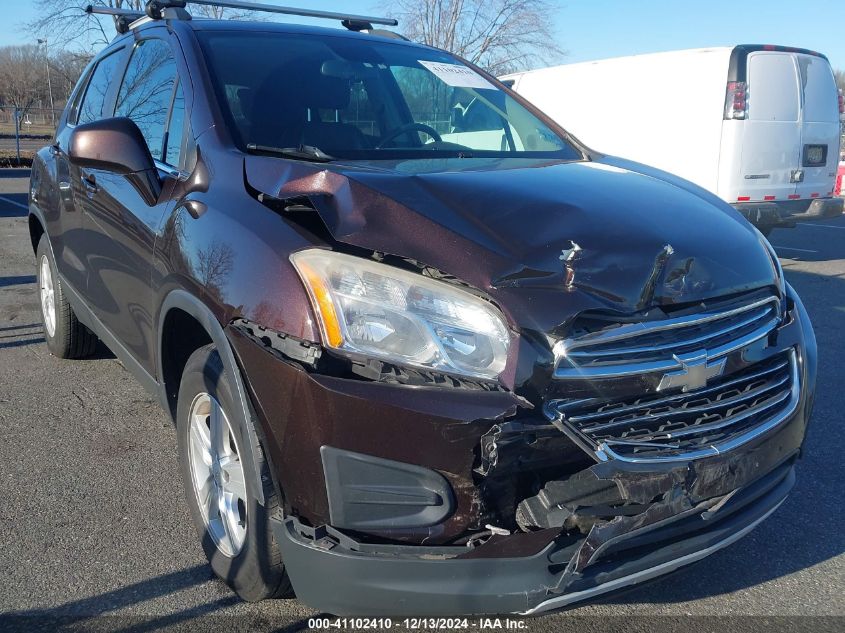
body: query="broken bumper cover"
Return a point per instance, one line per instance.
(339, 575)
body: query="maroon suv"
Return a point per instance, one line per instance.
(425, 352)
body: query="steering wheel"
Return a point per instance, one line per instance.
(409, 127)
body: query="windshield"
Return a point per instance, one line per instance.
(366, 99)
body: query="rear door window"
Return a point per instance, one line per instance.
(772, 87)
(94, 100)
(819, 88)
(147, 92)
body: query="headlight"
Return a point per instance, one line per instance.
(385, 312)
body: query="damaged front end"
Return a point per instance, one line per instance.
(441, 501)
(653, 404)
(525, 573)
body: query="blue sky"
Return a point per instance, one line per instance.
(594, 29)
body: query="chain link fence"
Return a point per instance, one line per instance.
(23, 132)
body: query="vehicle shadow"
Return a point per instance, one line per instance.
(78, 614)
(20, 335)
(806, 530)
(101, 352)
(12, 335)
(104, 611)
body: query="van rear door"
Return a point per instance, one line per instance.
(771, 134)
(819, 127)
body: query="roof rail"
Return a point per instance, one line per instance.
(122, 17)
(175, 9)
(352, 22)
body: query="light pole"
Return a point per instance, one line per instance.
(49, 84)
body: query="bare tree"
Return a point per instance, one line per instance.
(498, 35)
(222, 13)
(214, 264)
(66, 66)
(66, 22)
(22, 76)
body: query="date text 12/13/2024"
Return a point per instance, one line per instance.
(488, 624)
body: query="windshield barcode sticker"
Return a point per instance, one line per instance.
(457, 76)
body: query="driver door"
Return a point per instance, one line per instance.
(121, 228)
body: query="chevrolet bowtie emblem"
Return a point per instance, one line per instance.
(694, 373)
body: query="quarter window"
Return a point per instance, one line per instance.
(92, 105)
(147, 91)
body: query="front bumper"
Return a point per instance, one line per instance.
(338, 575)
(787, 213)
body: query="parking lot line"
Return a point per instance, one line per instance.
(791, 248)
(822, 226)
(17, 204)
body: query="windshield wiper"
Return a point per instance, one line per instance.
(303, 152)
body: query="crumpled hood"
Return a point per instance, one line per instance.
(544, 240)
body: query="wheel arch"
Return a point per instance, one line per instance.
(180, 312)
(36, 230)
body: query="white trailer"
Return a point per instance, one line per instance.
(757, 125)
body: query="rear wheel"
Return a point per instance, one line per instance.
(234, 528)
(66, 337)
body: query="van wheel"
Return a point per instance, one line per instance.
(66, 337)
(234, 528)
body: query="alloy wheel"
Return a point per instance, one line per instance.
(217, 474)
(48, 296)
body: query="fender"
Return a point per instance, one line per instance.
(186, 302)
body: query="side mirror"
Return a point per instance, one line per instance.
(117, 145)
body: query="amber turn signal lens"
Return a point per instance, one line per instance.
(322, 301)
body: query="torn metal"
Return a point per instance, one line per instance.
(288, 347)
(567, 256)
(650, 285)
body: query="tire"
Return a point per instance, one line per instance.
(242, 550)
(66, 337)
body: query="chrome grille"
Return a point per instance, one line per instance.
(688, 425)
(651, 346)
(630, 411)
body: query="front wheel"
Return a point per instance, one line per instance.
(234, 528)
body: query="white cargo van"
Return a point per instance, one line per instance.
(756, 125)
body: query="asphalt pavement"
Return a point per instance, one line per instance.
(93, 521)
